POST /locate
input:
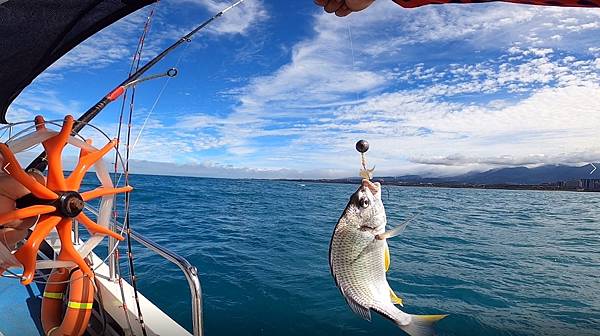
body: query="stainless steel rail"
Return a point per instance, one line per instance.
(190, 272)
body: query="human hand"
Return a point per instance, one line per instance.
(10, 190)
(343, 7)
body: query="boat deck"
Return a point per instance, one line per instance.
(20, 308)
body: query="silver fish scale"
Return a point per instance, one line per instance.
(358, 266)
(357, 263)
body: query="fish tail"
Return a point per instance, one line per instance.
(421, 325)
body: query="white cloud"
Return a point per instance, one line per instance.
(510, 92)
(115, 43)
(437, 89)
(36, 101)
(208, 169)
(236, 21)
(509, 160)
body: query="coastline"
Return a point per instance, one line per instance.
(505, 186)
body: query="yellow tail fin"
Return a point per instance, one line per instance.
(421, 325)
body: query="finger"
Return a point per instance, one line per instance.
(358, 5)
(11, 188)
(333, 5)
(343, 11)
(7, 204)
(321, 3)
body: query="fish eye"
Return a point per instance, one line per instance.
(364, 202)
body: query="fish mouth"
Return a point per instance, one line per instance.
(375, 188)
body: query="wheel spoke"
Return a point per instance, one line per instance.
(14, 169)
(67, 250)
(63, 193)
(30, 211)
(27, 254)
(54, 147)
(86, 161)
(94, 228)
(40, 123)
(98, 192)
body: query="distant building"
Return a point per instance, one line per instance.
(570, 185)
(589, 184)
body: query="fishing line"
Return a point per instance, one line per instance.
(132, 277)
(186, 38)
(139, 135)
(363, 161)
(165, 84)
(39, 162)
(135, 64)
(387, 190)
(102, 313)
(351, 52)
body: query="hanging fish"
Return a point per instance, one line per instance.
(359, 258)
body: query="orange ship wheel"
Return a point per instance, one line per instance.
(79, 303)
(58, 203)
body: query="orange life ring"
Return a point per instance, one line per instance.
(79, 306)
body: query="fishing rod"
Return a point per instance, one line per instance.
(39, 163)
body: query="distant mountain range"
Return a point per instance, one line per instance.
(513, 175)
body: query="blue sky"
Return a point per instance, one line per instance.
(280, 89)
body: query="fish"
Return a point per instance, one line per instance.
(359, 258)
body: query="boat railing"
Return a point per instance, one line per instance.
(190, 271)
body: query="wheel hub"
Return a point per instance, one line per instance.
(70, 204)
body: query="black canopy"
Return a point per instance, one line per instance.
(36, 33)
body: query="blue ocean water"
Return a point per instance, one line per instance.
(500, 262)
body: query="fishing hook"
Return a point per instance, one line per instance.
(362, 146)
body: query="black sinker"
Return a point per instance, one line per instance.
(362, 146)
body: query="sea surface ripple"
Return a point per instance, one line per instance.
(500, 262)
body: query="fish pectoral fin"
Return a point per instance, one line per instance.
(358, 309)
(395, 298)
(397, 230)
(386, 258)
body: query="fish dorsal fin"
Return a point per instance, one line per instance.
(386, 257)
(359, 309)
(395, 298)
